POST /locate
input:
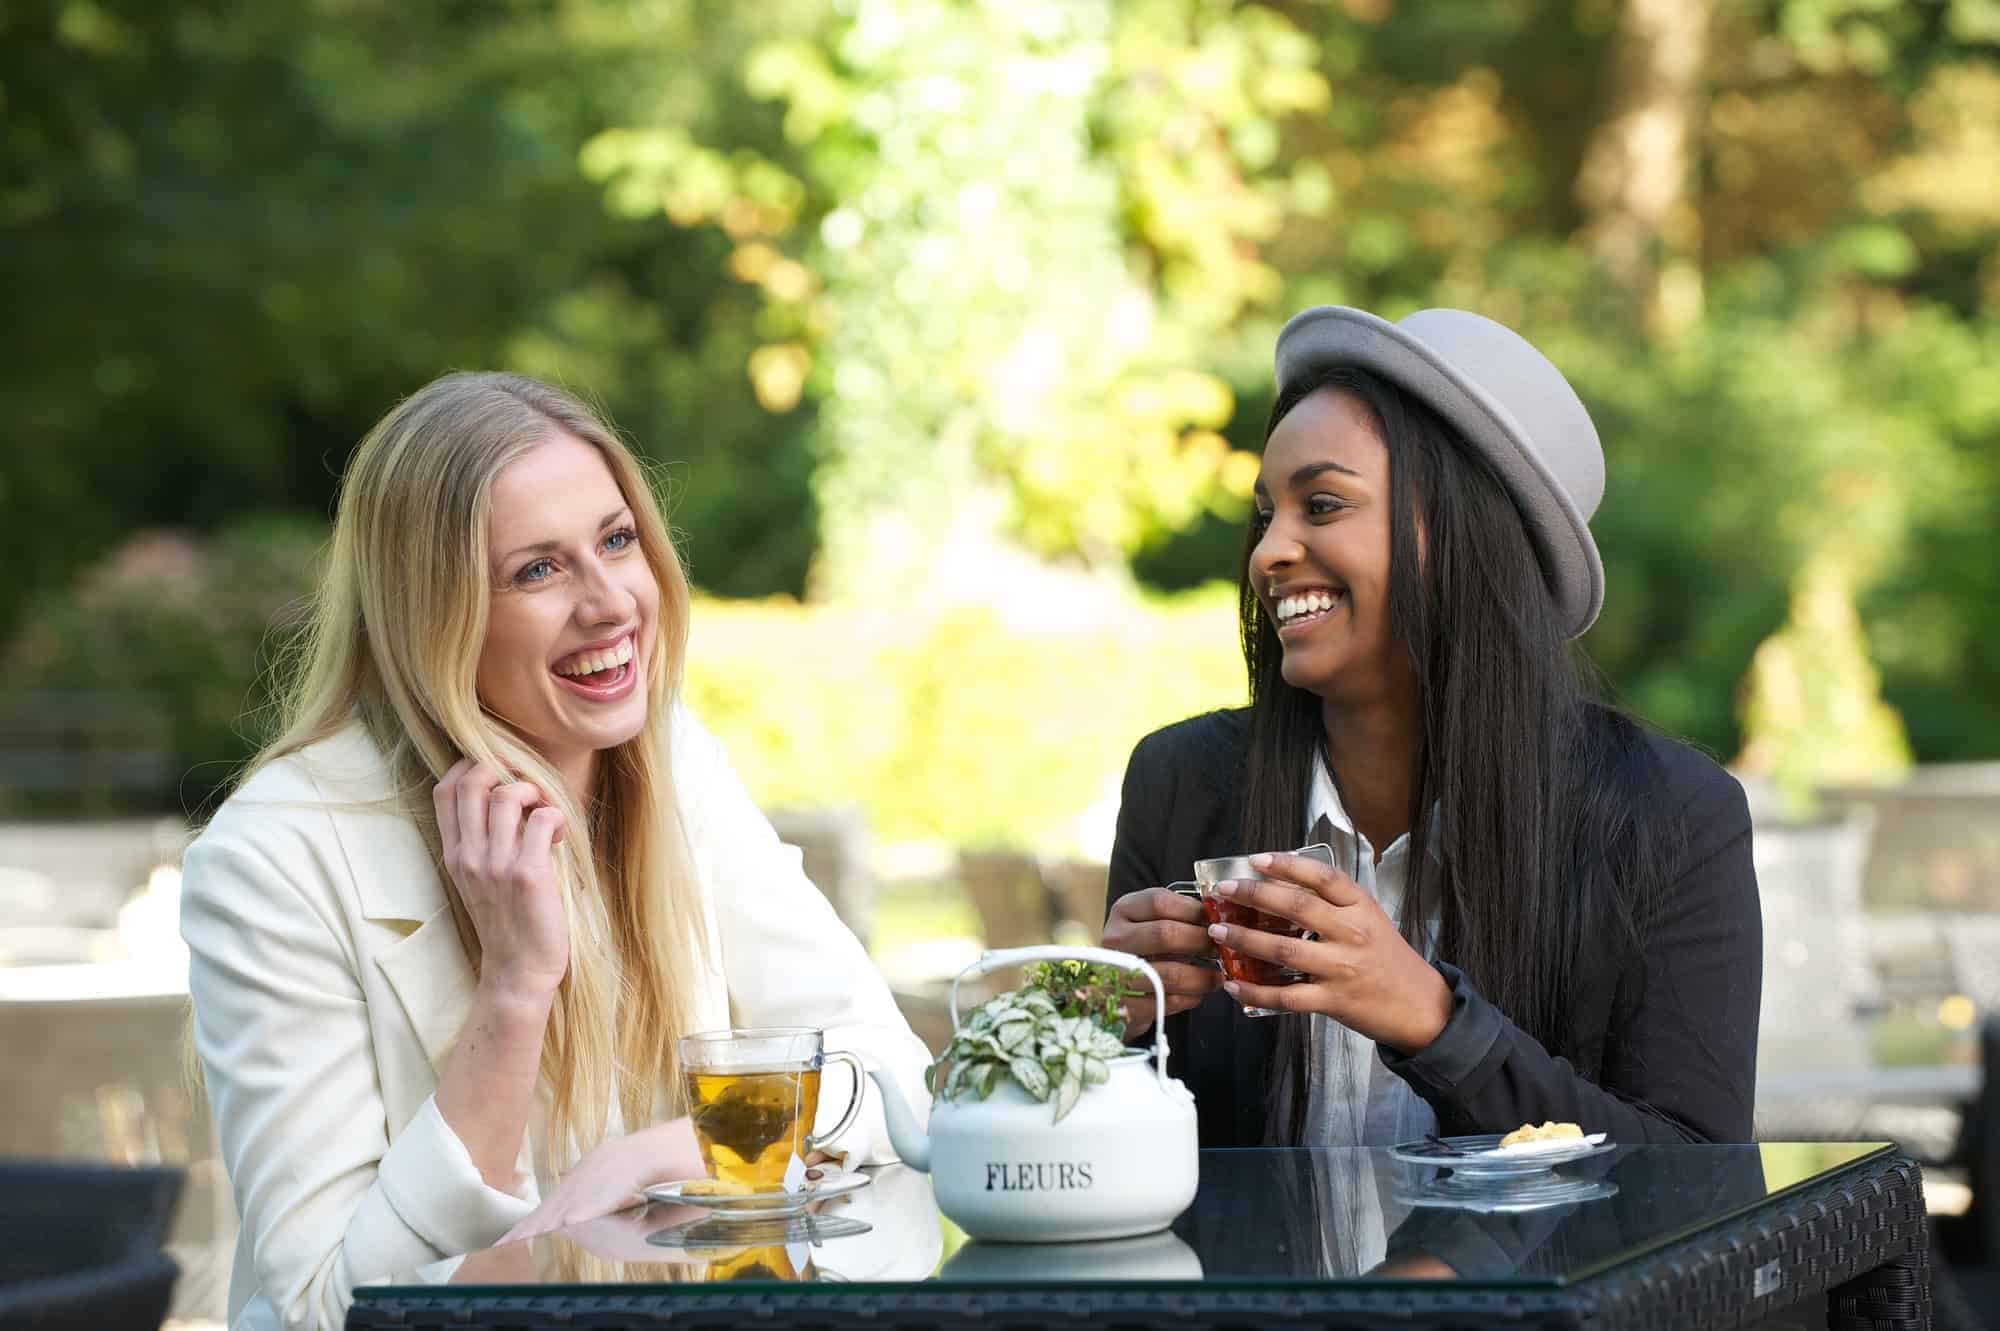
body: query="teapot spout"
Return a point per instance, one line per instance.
(911, 1142)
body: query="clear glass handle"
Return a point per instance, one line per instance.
(817, 1143)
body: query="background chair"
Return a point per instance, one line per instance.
(80, 1246)
(1817, 1077)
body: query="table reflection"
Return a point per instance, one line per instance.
(889, 1230)
(1343, 1215)
(1259, 1216)
(1164, 1256)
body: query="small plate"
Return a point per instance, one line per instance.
(1483, 1155)
(1509, 1195)
(716, 1231)
(773, 1202)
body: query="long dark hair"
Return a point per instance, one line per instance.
(1539, 847)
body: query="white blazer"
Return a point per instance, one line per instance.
(329, 984)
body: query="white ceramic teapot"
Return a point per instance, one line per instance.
(1121, 1162)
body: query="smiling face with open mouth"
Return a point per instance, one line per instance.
(574, 609)
(1321, 563)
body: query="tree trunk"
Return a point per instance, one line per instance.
(1634, 177)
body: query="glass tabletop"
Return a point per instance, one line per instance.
(1280, 1218)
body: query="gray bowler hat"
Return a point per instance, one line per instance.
(1508, 402)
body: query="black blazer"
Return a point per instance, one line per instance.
(1661, 1047)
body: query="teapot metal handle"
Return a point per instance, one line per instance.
(1057, 952)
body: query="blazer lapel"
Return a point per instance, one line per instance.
(396, 882)
(433, 982)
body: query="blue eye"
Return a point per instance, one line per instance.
(536, 572)
(622, 539)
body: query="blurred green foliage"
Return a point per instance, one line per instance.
(232, 234)
(965, 727)
(190, 625)
(868, 275)
(992, 245)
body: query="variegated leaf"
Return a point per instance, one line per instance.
(1033, 1079)
(1067, 1092)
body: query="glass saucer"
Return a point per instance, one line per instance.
(772, 1202)
(1506, 1196)
(720, 1231)
(1481, 1154)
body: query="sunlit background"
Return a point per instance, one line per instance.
(949, 327)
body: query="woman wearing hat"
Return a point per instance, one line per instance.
(1542, 910)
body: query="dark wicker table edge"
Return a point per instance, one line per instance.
(1859, 1236)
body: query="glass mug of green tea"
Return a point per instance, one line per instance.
(754, 1095)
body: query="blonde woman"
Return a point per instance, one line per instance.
(447, 929)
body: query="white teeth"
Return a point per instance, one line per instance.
(1303, 603)
(589, 663)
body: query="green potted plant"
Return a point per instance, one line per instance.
(1054, 1036)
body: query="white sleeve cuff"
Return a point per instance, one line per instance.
(428, 1176)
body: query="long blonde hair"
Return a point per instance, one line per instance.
(394, 641)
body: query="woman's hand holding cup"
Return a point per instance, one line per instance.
(1355, 965)
(498, 834)
(1166, 928)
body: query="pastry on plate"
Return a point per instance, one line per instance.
(1528, 1132)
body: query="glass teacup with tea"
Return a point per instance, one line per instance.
(1241, 966)
(753, 1095)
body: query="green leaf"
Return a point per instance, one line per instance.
(1031, 1076)
(1067, 1093)
(1095, 1071)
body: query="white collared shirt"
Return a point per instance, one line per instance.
(1352, 1099)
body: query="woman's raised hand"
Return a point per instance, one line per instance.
(497, 837)
(1166, 929)
(1363, 972)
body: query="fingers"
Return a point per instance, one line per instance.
(1184, 980)
(1299, 905)
(1158, 903)
(537, 1221)
(1321, 880)
(485, 820)
(1281, 997)
(544, 829)
(1294, 953)
(474, 785)
(1155, 923)
(1165, 938)
(444, 799)
(505, 808)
